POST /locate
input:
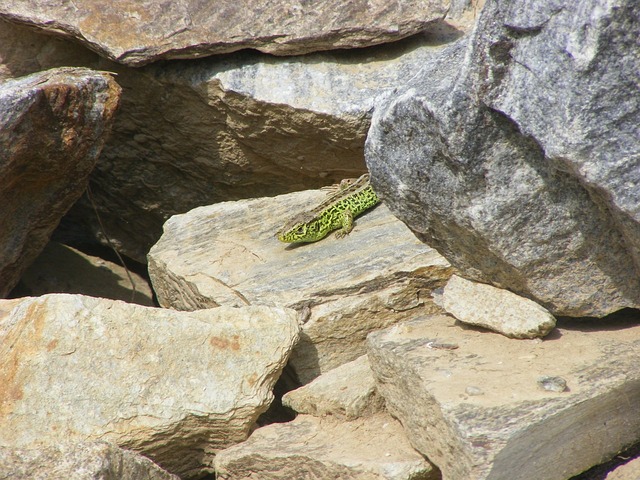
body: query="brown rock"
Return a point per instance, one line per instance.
(78, 461)
(52, 128)
(136, 33)
(173, 386)
(374, 448)
(482, 406)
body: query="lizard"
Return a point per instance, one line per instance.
(350, 199)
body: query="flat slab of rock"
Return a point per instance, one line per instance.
(513, 155)
(174, 386)
(227, 254)
(78, 461)
(63, 269)
(496, 309)
(476, 405)
(374, 448)
(348, 391)
(53, 126)
(136, 33)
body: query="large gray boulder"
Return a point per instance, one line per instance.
(136, 33)
(53, 126)
(516, 153)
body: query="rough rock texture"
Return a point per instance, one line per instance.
(136, 33)
(374, 448)
(62, 269)
(78, 461)
(174, 386)
(348, 391)
(227, 254)
(498, 423)
(53, 125)
(496, 309)
(515, 153)
(248, 125)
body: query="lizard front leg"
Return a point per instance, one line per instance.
(347, 223)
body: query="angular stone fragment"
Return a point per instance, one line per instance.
(63, 269)
(374, 448)
(174, 386)
(514, 430)
(53, 125)
(347, 391)
(78, 461)
(496, 309)
(227, 254)
(515, 153)
(140, 32)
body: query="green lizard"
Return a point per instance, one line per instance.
(337, 212)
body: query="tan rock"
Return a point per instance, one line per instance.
(52, 127)
(628, 471)
(374, 448)
(347, 391)
(174, 386)
(472, 403)
(78, 461)
(63, 269)
(227, 254)
(136, 33)
(496, 309)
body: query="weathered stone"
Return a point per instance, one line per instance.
(374, 448)
(52, 128)
(24, 51)
(515, 153)
(78, 461)
(496, 309)
(248, 125)
(217, 129)
(515, 430)
(136, 33)
(62, 269)
(227, 254)
(347, 391)
(628, 471)
(174, 386)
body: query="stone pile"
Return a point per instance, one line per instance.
(478, 324)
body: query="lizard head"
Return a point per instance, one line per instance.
(294, 233)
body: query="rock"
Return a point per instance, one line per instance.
(514, 156)
(308, 447)
(63, 269)
(142, 32)
(78, 461)
(628, 471)
(496, 309)
(52, 127)
(243, 126)
(223, 128)
(347, 391)
(227, 254)
(173, 386)
(515, 430)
